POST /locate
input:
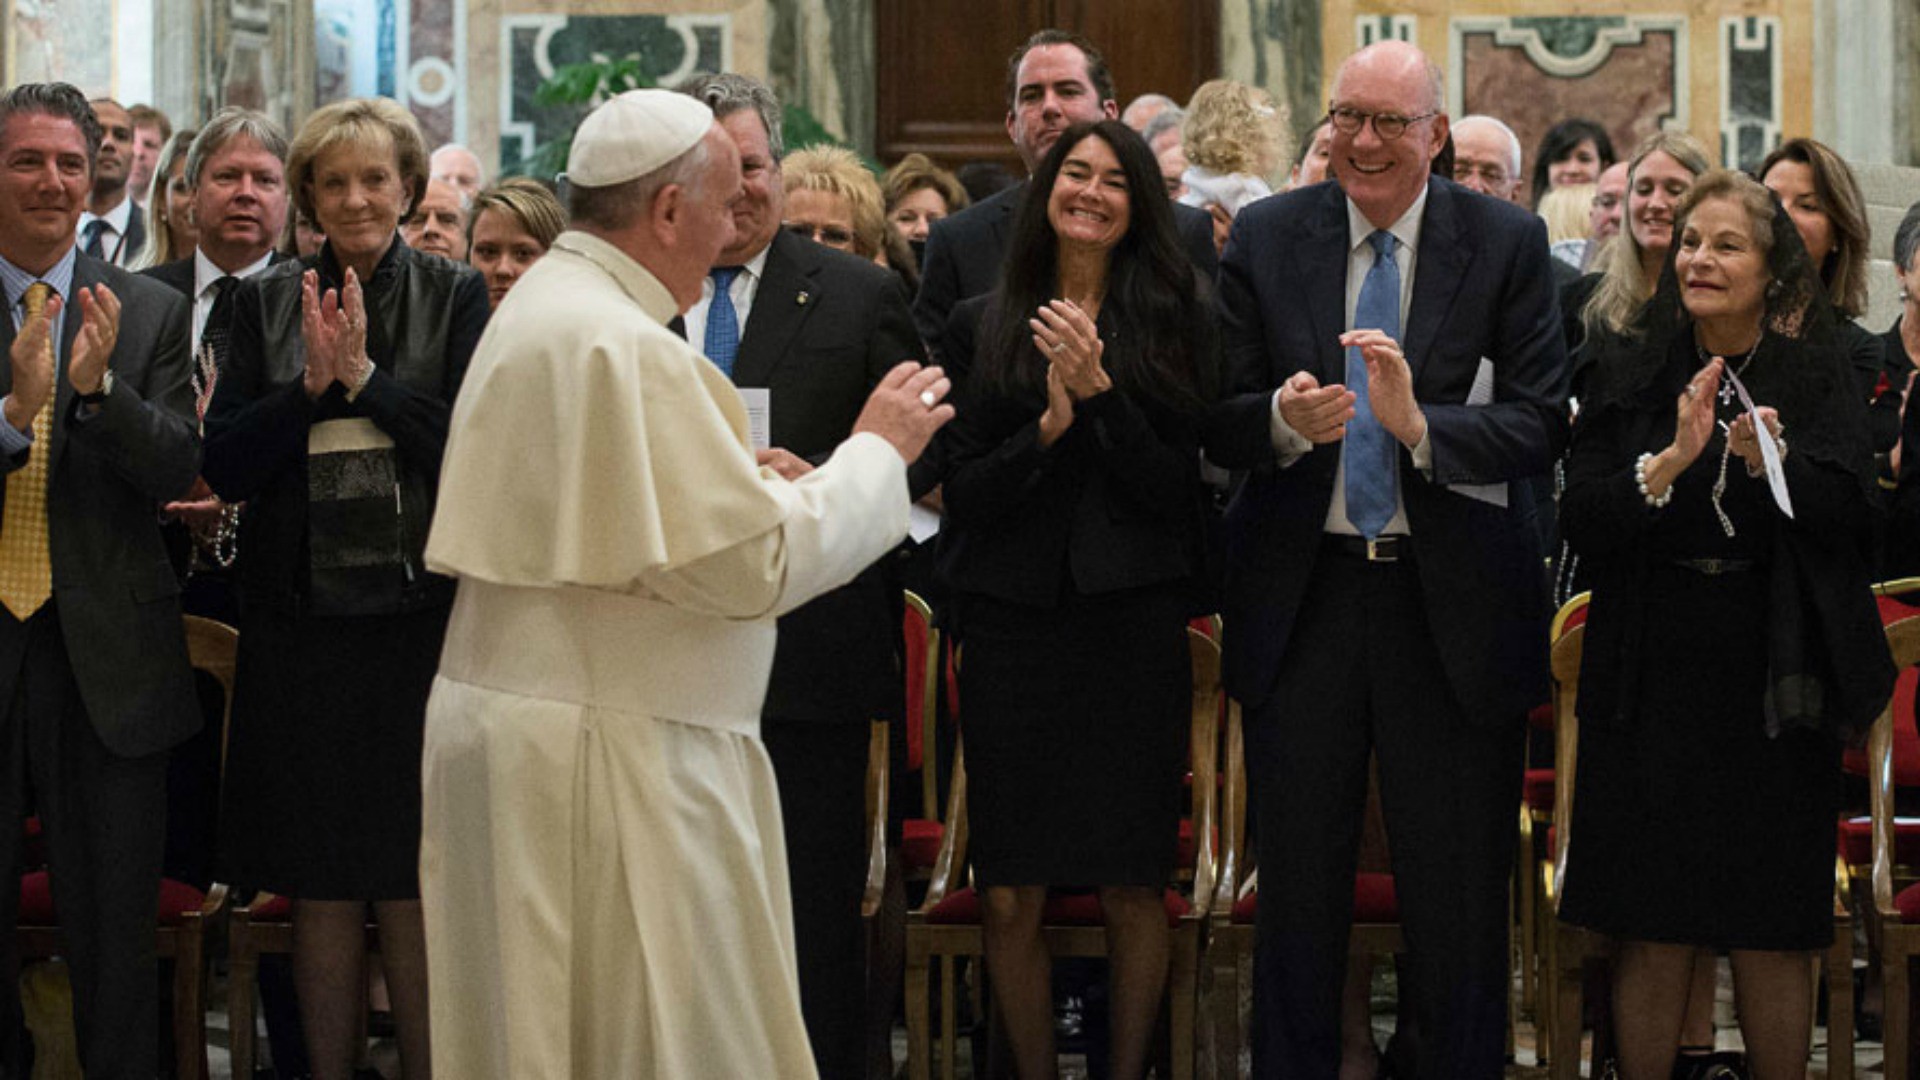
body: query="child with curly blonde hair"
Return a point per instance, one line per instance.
(1235, 139)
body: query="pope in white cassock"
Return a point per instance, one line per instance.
(602, 867)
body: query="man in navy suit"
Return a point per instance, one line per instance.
(1395, 367)
(1054, 80)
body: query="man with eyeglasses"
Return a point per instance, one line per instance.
(1486, 157)
(1603, 220)
(816, 330)
(1394, 369)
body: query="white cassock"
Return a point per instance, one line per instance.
(602, 867)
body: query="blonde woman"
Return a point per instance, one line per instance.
(512, 225)
(919, 193)
(1660, 172)
(832, 198)
(170, 233)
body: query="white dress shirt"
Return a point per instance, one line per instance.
(1290, 444)
(205, 275)
(113, 240)
(746, 285)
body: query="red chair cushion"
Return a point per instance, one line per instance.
(1906, 739)
(1856, 841)
(914, 630)
(1184, 852)
(1541, 716)
(1536, 789)
(278, 909)
(1063, 909)
(177, 900)
(1908, 904)
(920, 841)
(1373, 902)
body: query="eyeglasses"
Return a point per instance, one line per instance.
(830, 235)
(1463, 171)
(1386, 125)
(1605, 202)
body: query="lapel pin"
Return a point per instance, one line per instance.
(803, 297)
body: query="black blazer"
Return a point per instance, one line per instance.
(1114, 504)
(117, 597)
(176, 275)
(965, 254)
(425, 315)
(1482, 289)
(824, 328)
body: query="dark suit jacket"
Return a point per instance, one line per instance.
(117, 597)
(1482, 289)
(965, 253)
(1114, 504)
(176, 275)
(824, 328)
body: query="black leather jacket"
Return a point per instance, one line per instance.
(425, 315)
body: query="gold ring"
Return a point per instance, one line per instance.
(1059, 346)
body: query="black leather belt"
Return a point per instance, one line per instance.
(1716, 567)
(1386, 549)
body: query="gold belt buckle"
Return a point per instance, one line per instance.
(1379, 551)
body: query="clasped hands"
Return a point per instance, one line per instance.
(1693, 428)
(32, 355)
(334, 328)
(1066, 335)
(1320, 413)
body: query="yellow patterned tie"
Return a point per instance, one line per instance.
(26, 569)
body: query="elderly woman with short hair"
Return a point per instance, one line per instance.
(329, 422)
(1718, 486)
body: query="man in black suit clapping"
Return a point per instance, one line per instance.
(815, 329)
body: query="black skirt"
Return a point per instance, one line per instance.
(1075, 723)
(1691, 825)
(323, 761)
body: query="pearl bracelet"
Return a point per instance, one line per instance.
(1640, 481)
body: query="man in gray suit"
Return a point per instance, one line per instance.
(94, 680)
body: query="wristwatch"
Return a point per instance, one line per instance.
(100, 395)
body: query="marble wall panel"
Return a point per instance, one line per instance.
(1631, 92)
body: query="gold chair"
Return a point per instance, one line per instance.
(920, 835)
(947, 925)
(1894, 919)
(184, 911)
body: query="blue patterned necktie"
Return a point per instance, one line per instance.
(1373, 477)
(723, 325)
(93, 231)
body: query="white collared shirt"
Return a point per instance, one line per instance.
(113, 240)
(1289, 444)
(746, 285)
(205, 276)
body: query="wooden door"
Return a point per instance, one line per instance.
(941, 64)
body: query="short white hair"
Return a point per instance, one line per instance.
(1513, 141)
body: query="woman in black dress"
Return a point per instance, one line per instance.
(1731, 646)
(1070, 548)
(329, 422)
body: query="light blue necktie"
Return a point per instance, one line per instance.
(723, 324)
(1373, 476)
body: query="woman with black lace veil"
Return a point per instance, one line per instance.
(1718, 488)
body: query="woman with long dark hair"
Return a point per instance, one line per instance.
(1573, 151)
(1072, 540)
